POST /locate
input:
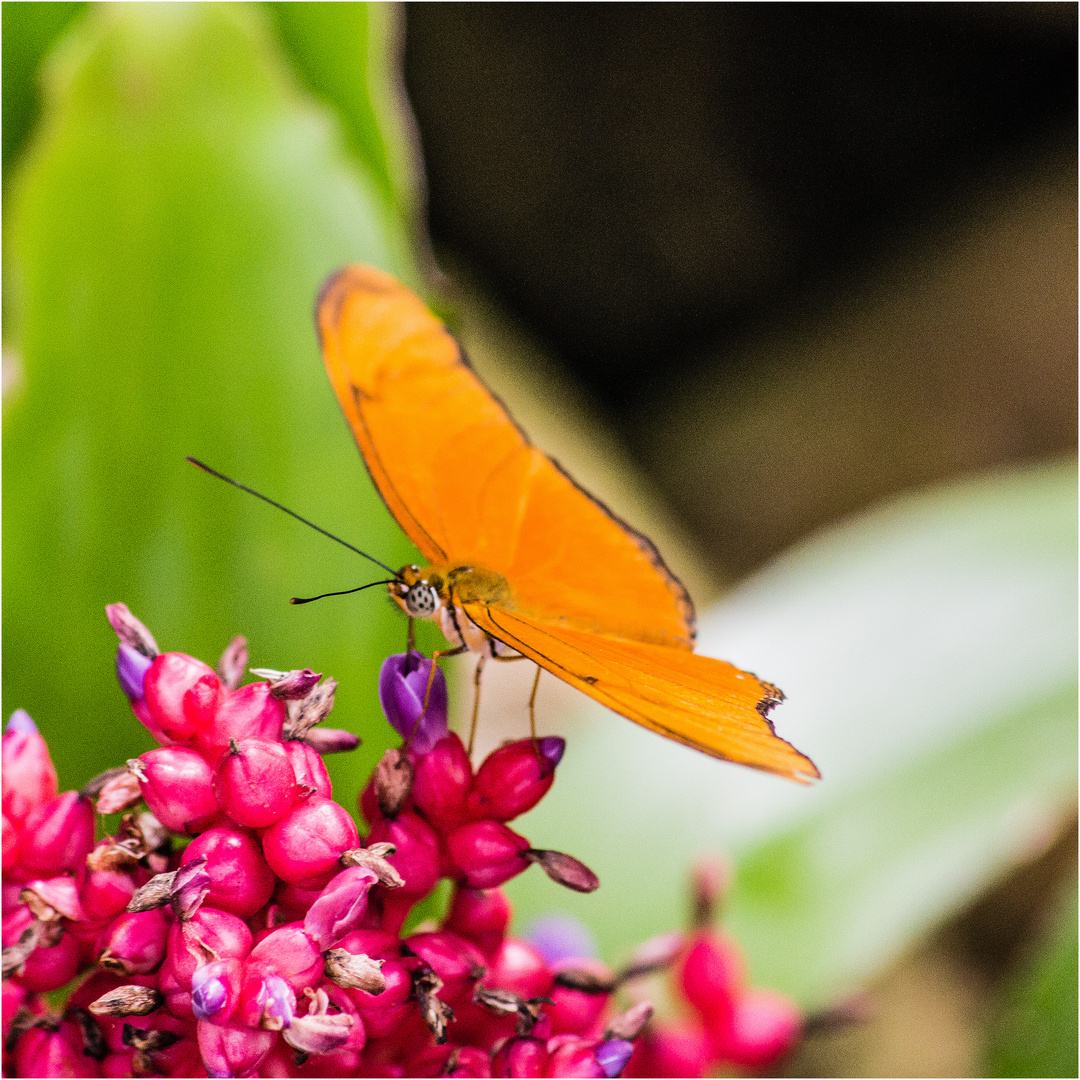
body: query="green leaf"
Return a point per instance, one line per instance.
(928, 651)
(1037, 1035)
(167, 233)
(347, 54)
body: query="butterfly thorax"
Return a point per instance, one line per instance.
(438, 593)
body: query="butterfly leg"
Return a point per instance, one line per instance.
(532, 706)
(476, 699)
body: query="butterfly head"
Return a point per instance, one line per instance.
(417, 591)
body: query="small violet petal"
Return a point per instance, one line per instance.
(21, 723)
(613, 1055)
(131, 668)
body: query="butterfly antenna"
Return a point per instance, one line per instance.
(344, 592)
(292, 513)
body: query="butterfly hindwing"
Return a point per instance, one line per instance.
(705, 703)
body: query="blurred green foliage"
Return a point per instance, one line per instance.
(29, 31)
(1037, 1035)
(168, 226)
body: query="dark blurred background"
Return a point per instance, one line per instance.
(687, 201)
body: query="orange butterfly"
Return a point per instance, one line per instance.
(521, 561)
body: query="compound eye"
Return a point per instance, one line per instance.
(421, 600)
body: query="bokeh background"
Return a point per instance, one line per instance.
(793, 287)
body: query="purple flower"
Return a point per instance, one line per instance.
(131, 668)
(403, 684)
(561, 937)
(613, 1055)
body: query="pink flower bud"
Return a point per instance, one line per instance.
(120, 793)
(49, 967)
(304, 847)
(290, 685)
(292, 902)
(254, 782)
(43, 1051)
(417, 856)
(456, 961)
(29, 779)
(384, 1013)
(308, 768)
(712, 972)
(374, 943)
(514, 778)
(469, 1061)
(135, 943)
(487, 853)
(578, 1003)
(58, 835)
(481, 916)
(131, 631)
(441, 785)
(251, 712)
(570, 1055)
(403, 685)
(762, 1026)
(340, 907)
(673, 1049)
(176, 784)
(520, 1056)
(321, 1030)
(215, 990)
(58, 894)
(290, 952)
(201, 702)
(165, 686)
(231, 1050)
(331, 740)
(10, 845)
(241, 882)
(519, 967)
(106, 893)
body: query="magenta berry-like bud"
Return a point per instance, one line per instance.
(254, 782)
(241, 882)
(457, 962)
(763, 1026)
(571, 1055)
(517, 966)
(232, 1050)
(403, 685)
(28, 773)
(712, 973)
(42, 1051)
(58, 836)
(341, 906)
(176, 784)
(441, 783)
(487, 853)
(417, 856)
(251, 712)
(480, 915)
(309, 770)
(290, 952)
(165, 685)
(209, 935)
(136, 942)
(521, 1056)
(514, 778)
(304, 847)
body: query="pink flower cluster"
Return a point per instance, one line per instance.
(272, 943)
